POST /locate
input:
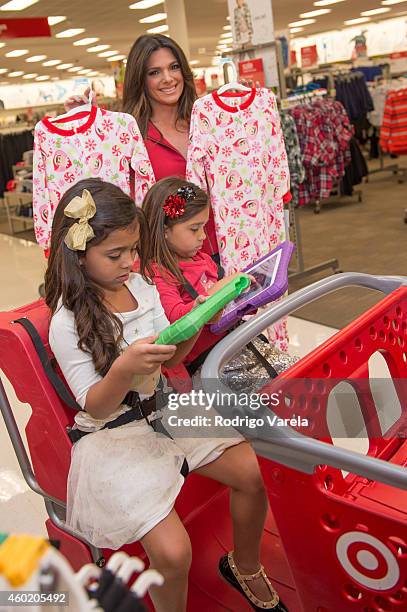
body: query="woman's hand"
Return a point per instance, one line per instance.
(144, 357)
(75, 101)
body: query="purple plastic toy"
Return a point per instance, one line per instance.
(271, 274)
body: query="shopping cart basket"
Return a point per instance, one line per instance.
(345, 536)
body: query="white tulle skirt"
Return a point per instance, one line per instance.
(124, 481)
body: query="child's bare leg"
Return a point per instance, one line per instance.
(169, 549)
(238, 468)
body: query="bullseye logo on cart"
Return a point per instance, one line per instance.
(224, 401)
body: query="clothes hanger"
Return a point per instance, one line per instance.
(87, 107)
(234, 84)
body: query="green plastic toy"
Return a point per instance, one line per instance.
(190, 324)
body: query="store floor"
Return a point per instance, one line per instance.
(365, 237)
(21, 271)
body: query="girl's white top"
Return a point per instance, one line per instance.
(77, 365)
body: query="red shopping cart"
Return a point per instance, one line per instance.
(345, 536)
(289, 464)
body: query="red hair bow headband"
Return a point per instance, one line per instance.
(174, 205)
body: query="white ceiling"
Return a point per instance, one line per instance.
(116, 25)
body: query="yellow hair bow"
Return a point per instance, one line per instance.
(82, 208)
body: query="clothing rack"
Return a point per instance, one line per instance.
(303, 97)
(299, 98)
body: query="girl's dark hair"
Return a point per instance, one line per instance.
(135, 97)
(153, 203)
(99, 330)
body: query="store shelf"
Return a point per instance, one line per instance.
(13, 202)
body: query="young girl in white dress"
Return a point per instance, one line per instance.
(125, 476)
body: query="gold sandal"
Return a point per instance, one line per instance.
(229, 571)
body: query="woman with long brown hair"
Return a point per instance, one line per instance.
(159, 92)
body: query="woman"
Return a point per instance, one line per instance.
(159, 92)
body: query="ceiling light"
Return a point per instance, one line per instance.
(84, 71)
(227, 27)
(51, 63)
(42, 78)
(32, 75)
(158, 30)
(69, 33)
(93, 73)
(377, 11)
(15, 74)
(153, 18)
(116, 58)
(356, 21)
(390, 2)
(194, 62)
(327, 2)
(107, 53)
(226, 34)
(97, 48)
(17, 5)
(303, 22)
(54, 20)
(85, 41)
(2, 45)
(226, 40)
(295, 30)
(75, 69)
(64, 66)
(3, 70)
(145, 4)
(35, 58)
(316, 13)
(17, 53)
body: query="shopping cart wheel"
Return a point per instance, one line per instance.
(101, 562)
(405, 216)
(360, 197)
(317, 208)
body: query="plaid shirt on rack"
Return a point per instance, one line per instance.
(294, 156)
(324, 133)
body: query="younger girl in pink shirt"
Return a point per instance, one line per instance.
(177, 212)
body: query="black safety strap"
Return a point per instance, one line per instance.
(52, 376)
(66, 397)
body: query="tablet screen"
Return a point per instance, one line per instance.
(265, 273)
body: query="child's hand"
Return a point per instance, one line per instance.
(144, 357)
(226, 279)
(199, 300)
(216, 317)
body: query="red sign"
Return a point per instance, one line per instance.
(252, 71)
(24, 27)
(398, 55)
(309, 56)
